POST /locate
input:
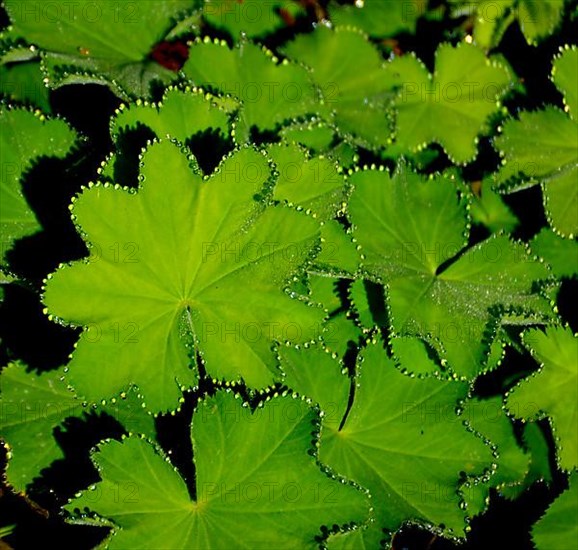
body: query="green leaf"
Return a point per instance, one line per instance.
(565, 77)
(270, 92)
(339, 256)
(487, 417)
(539, 19)
(414, 356)
(22, 82)
(367, 538)
(553, 390)
(404, 442)
(489, 209)
(360, 305)
(558, 527)
(252, 18)
(180, 115)
(31, 406)
(350, 81)
(26, 137)
(452, 106)
(490, 19)
(452, 297)
(339, 332)
(5, 279)
(259, 464)
(316, 136)
(537, 446)
(312, 184)
(316, 374)
(321, 138)
(379, 19)
(170, 268)
(101, 41)
(542, 147)
(561, 254)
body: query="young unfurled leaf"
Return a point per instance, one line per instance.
(413, 234)
(352, 86)
(556, 350)
(183, 261)
(258, 484)
(541, 147)
(451, 106)
(102, 41)
(558, 527)
(270, 93)
(26, 137)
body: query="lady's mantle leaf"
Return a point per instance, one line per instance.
(183, 259)
(452, 297)
(315, 374)
(22, 82)
(561, 254)
(451, 106)
(316, 184)
(25, 138)
(403, 440)
(251, 18)
(553, 390)
(270, 92)
(258, 484)
(558, 528)
(542, 147)
(352, 87)
(98, 41)
(180, 115)
(32, 406)
(488, 418)
(488, 208)
(537, 19)
(379, 19)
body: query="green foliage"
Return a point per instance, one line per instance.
(347, 75)
(26, 137)
(536, 19)
(96, 41)
(450, 107)
(286, 299)
(258, 464)
(542, 147)
(556, 351)
(177, 287)
(437, 290)
(557, 528)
